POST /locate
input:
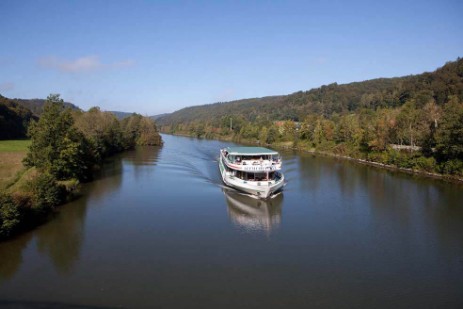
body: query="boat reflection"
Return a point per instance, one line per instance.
(253, 214)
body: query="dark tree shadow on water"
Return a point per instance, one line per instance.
(11, 256)
(61, 238)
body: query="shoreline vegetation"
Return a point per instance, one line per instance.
(412, 123)
(288, 146)
(67, 147)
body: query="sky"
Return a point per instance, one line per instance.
(153, 57)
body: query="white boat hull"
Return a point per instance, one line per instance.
(261, 189)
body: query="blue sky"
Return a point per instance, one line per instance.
(153, 57)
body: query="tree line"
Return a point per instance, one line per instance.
(410, 122)
(67, 147)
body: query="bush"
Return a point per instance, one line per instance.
(425, 164)
(46, 193)
(72, 188)
(326, 146)
(71, 185)
(9, 215)
(452, 167)
(399, 159)
(379, 157)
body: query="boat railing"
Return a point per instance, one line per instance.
(253, 165)
(258, 183)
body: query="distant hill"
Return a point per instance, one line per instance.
(121, 115)
(16, 114)
(252, 108)
(156, 117)
(14, 119)
(331, 99)
(36, 105)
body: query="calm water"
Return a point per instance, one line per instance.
(158, 230)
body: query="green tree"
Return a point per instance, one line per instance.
(449, 133)
(249, 131)
(46, 193)
(408, 123)
(130, 129)
(263, 135)
(9, 215)
(139, 130)
(382, 123)
(305, 132)
(289, 129)
(57, 147)
(102, 130)
(348, 130)
(318, 134)
(148, 133)
(272, 135)
(328, 129)
(433, 114)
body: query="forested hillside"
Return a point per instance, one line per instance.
(37, 105)
(121, 115)
(371, 120)
(14, 119)
(334, 99)
(16, 114)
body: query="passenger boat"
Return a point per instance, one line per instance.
(254, 170)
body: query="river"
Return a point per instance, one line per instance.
(157, 229)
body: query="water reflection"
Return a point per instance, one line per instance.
(252, 214)
(61, 238)
(143, 155)
(11, 256)
(136, 161)
(108, 180)
(155, 218)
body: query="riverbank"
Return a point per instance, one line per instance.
(66, 147)
(29, 198)
(450, 178)
(365, 161)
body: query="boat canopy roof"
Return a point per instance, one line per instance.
(250, 151)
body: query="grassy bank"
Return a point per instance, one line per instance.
(14, 146)
(12, 152)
